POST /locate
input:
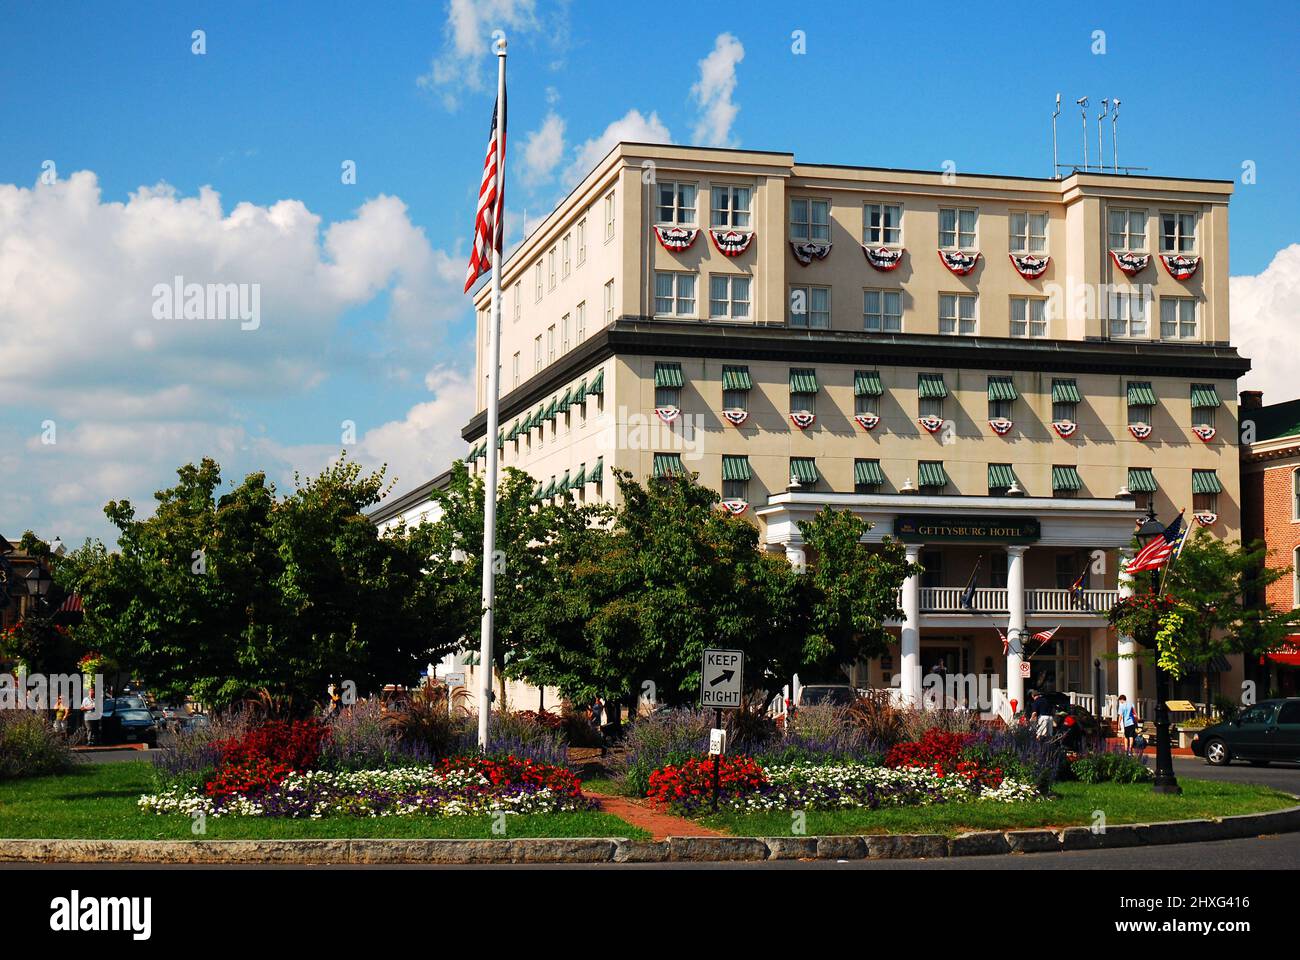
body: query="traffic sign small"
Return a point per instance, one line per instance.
(1025, 669)
(717, 742)
(721, 679)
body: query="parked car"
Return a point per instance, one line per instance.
(1267, 731)
(826, 695)
(127, 720)
(193, 722)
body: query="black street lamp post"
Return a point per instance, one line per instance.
(1165, 780)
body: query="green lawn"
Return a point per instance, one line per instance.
(98, 801)
(1072, 806)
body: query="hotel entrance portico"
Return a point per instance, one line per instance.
(1025, 554)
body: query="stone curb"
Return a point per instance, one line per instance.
(904, 846)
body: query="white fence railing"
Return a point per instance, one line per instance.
(994, 600)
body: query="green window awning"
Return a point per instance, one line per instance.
(1066, 478)
(1001, 475)
(668, 375)
(550, 490)
(1205, 481)
(929, 386)
(1140, 394)
(581, 477)
(597, 469)
(804, 469)
(501, 439)
(566, 401)
(736, 378)
(552, 409)
(1141, 480)
(526, 423)
(735, 468)
(803, 380)
(513, 431)
(668, 465)
(538, 494)
(1002, 388)
(1065, 391)
(564, 484)
(868, 473)
(597, 388)
(580, 393)
(539, 416)
(866, 383)
(1204, 395)
(931, 474)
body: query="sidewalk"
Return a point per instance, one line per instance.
(1117, 743)
(659, 825)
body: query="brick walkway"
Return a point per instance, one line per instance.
(659, 825)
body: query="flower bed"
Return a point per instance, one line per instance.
(455, 787)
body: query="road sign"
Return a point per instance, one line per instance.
(717, 742)
(455, 679)
(720, 679)
(1025, 669)
(1180, 706)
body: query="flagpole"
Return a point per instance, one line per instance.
(493, 416)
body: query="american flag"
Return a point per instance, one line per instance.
(488, 222)
(1045, 635)
(1157, 553)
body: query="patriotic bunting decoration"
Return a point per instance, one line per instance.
(1131, 263)
(1180, 267)
(1064, 428)
(735, 417)
(806, 253)
(1157, 553)
(490, 219)
(959, 262)
(1205, 432)
(882, 258)
(867, 421)
(676, 239)
(1030, 267)
(731, 243)
(735, 507)
(667, 414)
(1001, 426)
(1140, 431)
(1205, 518)
(932, 423)
(802, 419)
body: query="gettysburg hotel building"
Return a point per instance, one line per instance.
(1000, 371)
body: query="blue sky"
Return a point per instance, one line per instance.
(286, 92)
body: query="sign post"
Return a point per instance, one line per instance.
(721, 687)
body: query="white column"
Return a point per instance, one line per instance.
(1126, 671)
(909, 647)
(1015, 624)
(798, 559)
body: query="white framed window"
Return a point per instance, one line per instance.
(514, 310)
(882, 223)
(810, 219)
(566, 249)
(550, 269)
(956, 313)
(1177, 232)
(515, 367)
(1295, 498)
(674, 294)
(730, 208)
(1128, 313)
(1177, 318)
(882, 311)
(582, 321)
(609, 216)
(1028, 232)
(735, 399)
(675, 204)
(609, 301)
(537, 281)
(1029, 317)
(957, 228)
(735, 490)
(537, 353)
(582, 241)
(728, 297)
(1295, 578)
(866, 403)
(803, 403)
(550, 344)
(565, 324)
(1128, 230)
(810, 307)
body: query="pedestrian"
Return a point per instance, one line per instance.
(1041, 716)
(1128, 722)
(88, 715)
(60, 715)
(597, 709)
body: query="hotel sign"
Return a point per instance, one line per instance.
(928, 529)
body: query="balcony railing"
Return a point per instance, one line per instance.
(994, 600)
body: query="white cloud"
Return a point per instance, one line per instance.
(714, 90)
(1264, 310)
(467, 43)
(632, 127)
(543, 150)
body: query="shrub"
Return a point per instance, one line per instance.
(1018, 753)
(916, 721)
(1111, 766)
(30, 746)
(424, 727)
(578, 728)
(880, 721)
(936, 749)
(195, 752)
(363, 737)
(820, 734)
(518, 735)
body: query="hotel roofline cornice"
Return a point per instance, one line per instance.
(666, 338)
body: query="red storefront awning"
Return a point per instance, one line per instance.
(1288, 653)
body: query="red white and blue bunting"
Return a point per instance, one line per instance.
(803, 419)
(867, 421)
(735, 507)
(882, 258)
(1131, 263)
(1204, 432)
(1140, 430)
(677, 239)
(958, 261)
(731, 243)
(735, 417)
(1029, 266)
(807, 252)
(1180, 267)
(931, 423)
(1001, 426)
(1064, 428)
(1205, 518)
(667, 414)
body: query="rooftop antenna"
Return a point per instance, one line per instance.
(1114, 131)
(1083, 114)
(1056, 167)
(1105, 109)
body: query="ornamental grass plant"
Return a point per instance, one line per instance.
(30, 746)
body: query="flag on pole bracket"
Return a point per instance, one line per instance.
(1045, 635)
(490, 219)
(1157, 553)
(1077, 588)
(968, 594)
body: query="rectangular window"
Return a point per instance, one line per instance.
(803, 390)
(930, 391)
(668, 396)
(998, 570)
(609, 217)
(582, 241)
(932, 561)
(1067, 570)
(956, 313)
(1177, 232)
(515, 367)
(882, 311)
(550, 344)
(1028, 317)
(1205, 491)
(676, 204)
(810, 219)
(537, 280)
(582, 321)
(735, 399)
(1128, 230)
(866, 403)
(730, 208)
(565, 323)
(514, 310)
(810, 307)
(1177, 318)
(537, 353)
(728, 297)
(1065, 400)
(1128, 314)
(550, 269)
(1028, 232)
(803, 402)
(675, 295)
(957, 228)
(882, 223)
(609, 301)
(735, 490)
(566, 248)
